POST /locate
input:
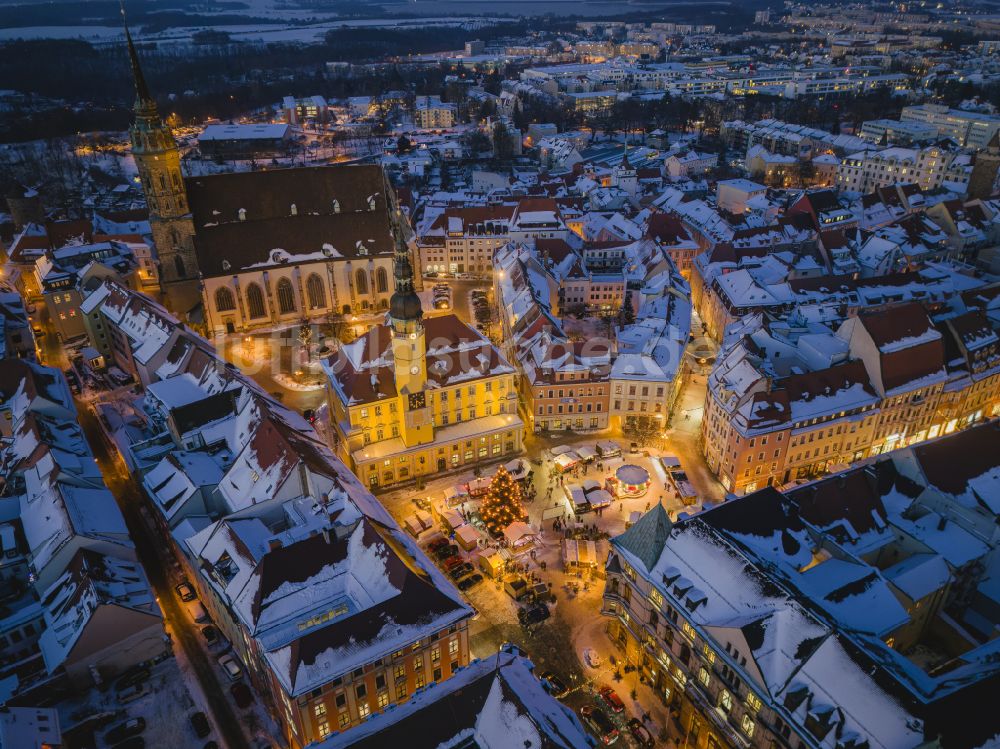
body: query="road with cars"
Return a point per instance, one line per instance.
(157, 560)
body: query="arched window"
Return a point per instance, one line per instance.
(179, 266)
(315, 292)
(361, 282)
(224, 301)
(382, 281)
(255, 301)
(286, 297)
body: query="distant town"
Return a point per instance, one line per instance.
(380, 376)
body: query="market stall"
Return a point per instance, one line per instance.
(467, 537)
(519, 534)
(519, 468)
(452, 519)
(492, 563)
(608, 449)
(566, 461)
(579, 555)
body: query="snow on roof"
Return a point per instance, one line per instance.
(177, 391)
(497, 703)
(919, 575)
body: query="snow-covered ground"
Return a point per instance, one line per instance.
(173, 696)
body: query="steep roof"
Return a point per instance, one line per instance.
(647, 537)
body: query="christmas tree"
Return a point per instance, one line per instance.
(502, 504)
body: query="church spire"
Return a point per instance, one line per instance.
(404, 304)
(144, 100)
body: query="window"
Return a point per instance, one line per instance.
(364, 709)
(747, 725)
(315, 292)
(726, 700)
(703, 676)
(361, 282)
(399, 671)
(344, 719)
(319, 709)
(286, 297)
(383, 699)
(401, 691)
(323, 728)
(224, 300)
(381, 281)
(255, 301)
(753, 701)
(361, 691)
(453, 647)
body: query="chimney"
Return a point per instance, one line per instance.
(273, 544)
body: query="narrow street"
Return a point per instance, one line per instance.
(155, 557)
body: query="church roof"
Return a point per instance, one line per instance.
(253, 220)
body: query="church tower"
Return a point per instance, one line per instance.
(625, 177)
(409, 345)
(159, 163)
(982, 181)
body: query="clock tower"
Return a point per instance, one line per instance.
(158, 160)
(409, 346)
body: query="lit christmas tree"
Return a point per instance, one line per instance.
(502, 504)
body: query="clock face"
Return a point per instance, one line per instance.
(414, 370)
(416, 400)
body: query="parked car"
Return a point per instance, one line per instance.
(640, 733)
(241, 694)
(633, 447)
(446, 551)
(122, 731)
(592, 658)
(118, 377)
(553, 684)
(534, 614)
(436, 544)
(461, 571)
(197, 612)
(200, 724)
(211, 635)
(610, 698)
(132, 693)
(133, 676)
(133, 742)
(185, 592)
(598, 722)
(452, 563)
(231, 666)
(470, 582)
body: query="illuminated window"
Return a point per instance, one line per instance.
(747, 725)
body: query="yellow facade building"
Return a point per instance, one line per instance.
(415, 397)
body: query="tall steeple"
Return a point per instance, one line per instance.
(158, 161)
(143, 99)
(405, 310)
